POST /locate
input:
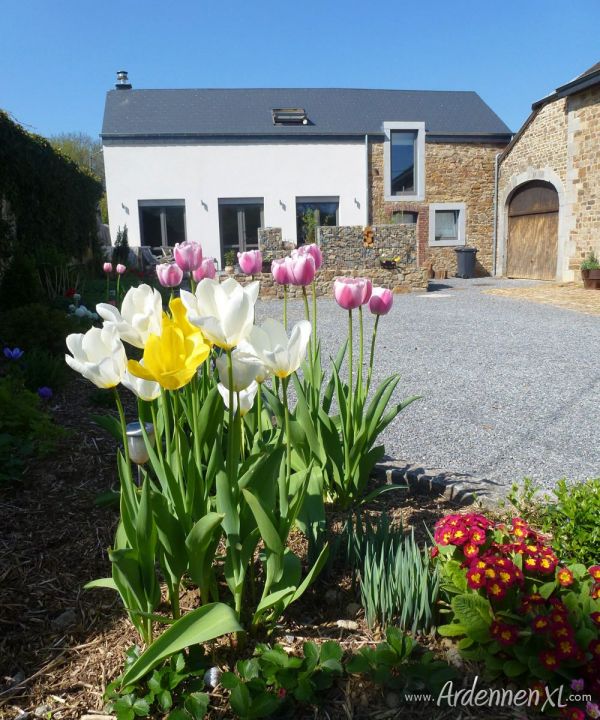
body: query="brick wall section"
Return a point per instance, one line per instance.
(586, 173)
(454, 172)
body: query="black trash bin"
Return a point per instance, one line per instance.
(465, 261)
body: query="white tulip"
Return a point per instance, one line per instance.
(98, 355)
(246, 396)
(147, 390)
(244, 373)
(140, 316)
(223, 311)
(271, 345)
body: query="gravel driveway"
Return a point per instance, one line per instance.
(510, 388)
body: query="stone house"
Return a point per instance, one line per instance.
(225, 166)
(549, 185)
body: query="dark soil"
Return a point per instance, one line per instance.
(60, 645)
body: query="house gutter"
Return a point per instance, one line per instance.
(495, 227)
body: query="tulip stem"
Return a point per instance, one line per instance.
(259, 412)
(164, 400)
(123, 424)
(118, 287)
(372, 354)
(305, 298)
(107, 287)
(159, 446)
(283, 500)
(230, 430)
(359, 385)
(285, 307)
(314, 316)
(192, 284)
(350, 366)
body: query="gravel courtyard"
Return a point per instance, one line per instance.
(509, 387)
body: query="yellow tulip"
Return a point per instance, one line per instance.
(172, 358)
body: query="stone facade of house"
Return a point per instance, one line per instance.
(559, 144)
(454, 173)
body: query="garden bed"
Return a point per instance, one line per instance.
(62, 645)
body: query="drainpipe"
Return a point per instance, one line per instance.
(367, 189)
(495, 229)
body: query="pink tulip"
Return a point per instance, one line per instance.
(107, 267)
(381, 301)
(250, 262)
(169, 274)
(302, 269)
(188, 255)
(120, 269)
(367, 291)
(349, 292)
(280, 269)
(313, 250)
(207, 269)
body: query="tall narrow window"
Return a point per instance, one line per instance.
(403, 152)
(162, 223)
(404, 160)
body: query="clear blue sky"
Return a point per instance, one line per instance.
(57, 58)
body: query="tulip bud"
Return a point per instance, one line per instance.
(188, 255)
(381, 301)
(302, 269)
(350, 292)
(120, 269)
(107, 267)
(207, 269)
(169, 274)
(313, 250)
(280, 269)
(250, 262)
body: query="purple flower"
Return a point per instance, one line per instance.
(14, 354)
(45, 392)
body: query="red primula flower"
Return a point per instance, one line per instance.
(434, 552)
(595, 616)
(477, 537)
(475, 578)
(496, 590)
(594, 648)
(540, 623)
(566, 649)
(549, 659)
(561, 632)
(594, 571)
(547, 563)
(470, 550)
(573, 713)
(565, 577)
(531, 563)
(558, 618)
(595, 591)
(459, 536)
(507, 635)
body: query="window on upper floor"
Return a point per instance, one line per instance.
(404, 160)
(162, 222)
(313, 212)
(447, 224)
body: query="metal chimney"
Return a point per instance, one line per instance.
(122, 81)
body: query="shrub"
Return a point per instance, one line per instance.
(120, 253)
(515, 606)
(25, 429)
(36, 326)
(591, 262)
(41, 369)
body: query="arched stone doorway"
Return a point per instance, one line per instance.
(532, 242)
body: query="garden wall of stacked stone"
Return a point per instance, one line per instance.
(344, 253)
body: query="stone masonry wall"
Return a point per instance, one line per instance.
(454, 172)
(585, 233)
(344, 253)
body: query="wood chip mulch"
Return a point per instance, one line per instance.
(571, 296)
(61, 645)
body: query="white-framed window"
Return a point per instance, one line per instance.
(404, 160)
(447, 224)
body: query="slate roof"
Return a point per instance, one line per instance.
(587, 79)
(331, 112)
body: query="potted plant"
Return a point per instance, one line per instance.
(590, 271)
(230, 258)
(388, 263)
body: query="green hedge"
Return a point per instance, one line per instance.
(51, 200)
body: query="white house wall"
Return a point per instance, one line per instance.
(202, 174)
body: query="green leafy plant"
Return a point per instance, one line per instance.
(36, 326)
(120, 253)
(397, 664)
(591, 262)
(230, 258)
(175, 687)
(397, 581)
(40, 369)
(272, 679)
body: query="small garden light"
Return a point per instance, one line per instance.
(135, 441)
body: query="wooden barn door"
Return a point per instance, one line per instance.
(533, 232)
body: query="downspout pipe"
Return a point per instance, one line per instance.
(495, 227)
(367, 189)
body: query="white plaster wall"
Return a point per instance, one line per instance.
(201, 174)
